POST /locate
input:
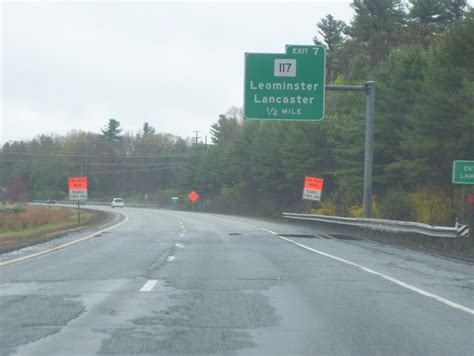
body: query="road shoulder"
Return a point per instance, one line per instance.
(114, 219)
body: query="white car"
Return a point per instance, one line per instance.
(117, 203)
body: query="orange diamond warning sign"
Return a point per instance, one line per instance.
(193, 196)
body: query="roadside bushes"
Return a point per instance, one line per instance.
(328, 207)
(431, 205)
(397, 205)
(357, 211)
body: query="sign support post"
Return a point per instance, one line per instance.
(369, 148)
(291, 86)
(369, 89)
(463, 173)
(471, 222)
(78, 212)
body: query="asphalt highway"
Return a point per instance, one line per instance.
(170, 282)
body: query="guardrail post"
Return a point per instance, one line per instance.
(78, 213)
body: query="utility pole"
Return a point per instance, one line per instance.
(196, 138)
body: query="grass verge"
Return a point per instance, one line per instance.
(42, 223)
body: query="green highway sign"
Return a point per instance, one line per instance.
(287, 86)
(463, 172)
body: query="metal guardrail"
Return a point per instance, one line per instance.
(380, 225)
(92, 203)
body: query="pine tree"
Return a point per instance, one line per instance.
(148, 129)
(441, 127)
(112, 131)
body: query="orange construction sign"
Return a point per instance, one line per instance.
(313, 183)
(313, 187)
(77, 182)
(193, 196)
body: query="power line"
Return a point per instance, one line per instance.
(86, 163)
(123, 140)
(135, 170)
(146, 166)
(196, 138)
(22, 153)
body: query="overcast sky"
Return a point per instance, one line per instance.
(73, 66)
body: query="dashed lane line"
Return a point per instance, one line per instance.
(148, 286)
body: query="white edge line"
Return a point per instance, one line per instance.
(148, 286)
(235, 221)
(270, 231)
(384, 276)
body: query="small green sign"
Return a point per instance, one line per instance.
(463, 172)
(288, 86)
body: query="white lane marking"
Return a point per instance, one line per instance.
(179, 245)
(271, 232)
(181, 235)
(170, 259)
(148, 286)
(388, 278)
(237, 222)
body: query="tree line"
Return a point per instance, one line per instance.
(421, 57)
(419, 53)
